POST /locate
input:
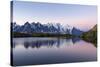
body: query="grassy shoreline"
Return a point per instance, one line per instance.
(83, 37)
(16, 34)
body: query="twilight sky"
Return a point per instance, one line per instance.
(82, 17)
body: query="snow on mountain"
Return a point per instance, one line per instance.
(45, 28)
(15, 26)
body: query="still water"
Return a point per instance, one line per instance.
(38, 50)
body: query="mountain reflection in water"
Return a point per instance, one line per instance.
(45, 42)
(37, 50)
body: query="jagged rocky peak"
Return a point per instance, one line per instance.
(33, 23)
(27, 23)
(14, 24)
(46, 28)
(76, 31)
(49, 24)
(39, 24)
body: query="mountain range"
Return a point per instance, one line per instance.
(45, 28)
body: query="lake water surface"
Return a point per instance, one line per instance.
(38, 50)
